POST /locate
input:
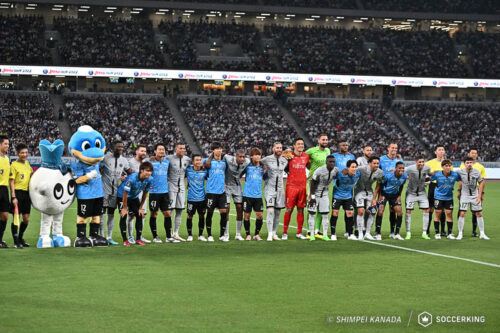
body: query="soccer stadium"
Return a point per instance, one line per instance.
(250, 166)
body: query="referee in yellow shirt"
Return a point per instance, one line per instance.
(473, 153)
(4, 187)
(435, 165)
(20, 175)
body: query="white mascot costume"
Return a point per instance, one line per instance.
(52, 191)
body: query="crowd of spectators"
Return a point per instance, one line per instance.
(482, 52)
(417, 53)
(21, 41)
(130, 119)
(27, 119)
(360, 123)
(345, 4)
(434, 6)
(93, 41)
(459, 127)
(322, 50)
(236, 123)
(186, 34)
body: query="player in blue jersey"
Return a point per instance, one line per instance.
(388, 165)
(341, 158)
(196, 203)
(390, 192)
(252, 193)
(129, 203)
(342, 197)
(158, 197)
(216, 191)
(443, 196)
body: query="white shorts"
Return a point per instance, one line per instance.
(177, 199)
(322, 206)
(362, 200)
(275, 199)
(411, 199)
(235, 193)
(474, 207)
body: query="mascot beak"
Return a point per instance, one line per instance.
(90, 156)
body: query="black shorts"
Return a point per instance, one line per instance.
(159, 201)
(196, 206)
(23, 202)
(252, 203)
(90, 207)
(4, 199)
(216, 201)
(133, 205)
(443, 204)
(347, 204)
(391, 199)
(430, 192)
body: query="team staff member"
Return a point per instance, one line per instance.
(20, 175)
(4, 187)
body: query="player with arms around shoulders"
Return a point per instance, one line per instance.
(196, 176)
(319, 202)
(469, 194)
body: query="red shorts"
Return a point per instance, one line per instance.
(295, 196)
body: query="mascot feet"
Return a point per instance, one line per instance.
(44, 242)
(99, 241)
(61, 241)
(83, 242)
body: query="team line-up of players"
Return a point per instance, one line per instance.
(212, 183)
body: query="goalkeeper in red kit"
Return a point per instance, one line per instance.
(295, 193)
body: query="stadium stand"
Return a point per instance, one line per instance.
(459, 127)
(133, 120)
(27, 118)
(361, 123)
(236, 122)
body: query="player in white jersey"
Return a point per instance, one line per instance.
(274, 191)
(469, 194)
(319, 201)
(235, 166)
(113, 167)
(134, 163)
(418, 178)
(367, 153)
(364, 200)
(176, 185)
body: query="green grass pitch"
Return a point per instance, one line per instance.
(286, 286)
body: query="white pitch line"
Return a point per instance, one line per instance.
(434, 254)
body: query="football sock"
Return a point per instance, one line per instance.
(333, 224)
(189, 225)
(399, 222)
(123, 227)
(223, 223)
(167, 224)
(408, 222)
(300, 222)
(246, 223)
(450, 227)
(480, 223)
(209, 223)
(378, 224)
(152, 226)
(286, 222)
(461, 222)
(22, 229)
(425, 223)
(201, 224)
(258, 226)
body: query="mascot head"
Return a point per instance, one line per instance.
(87, 145)
(52, 189)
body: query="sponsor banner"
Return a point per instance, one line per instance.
(246, 76)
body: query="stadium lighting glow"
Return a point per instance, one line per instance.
(364, 18)
(134, 12)
(59, 6)
(237, 16)
(186, 14)
(309, 19)
(290, 15)
(265, 14)
(111, 8)
(160, 13)
(163, 10)
(189, 11)
(82, 10)
(387, 19)
(211, 15)
(57, 9)
(287, 18)
(137, 9)
(4, 3)
(357, 21)
(240, 13)
(410, 20)
(335, 20)
(32, 4)
(109, 11)
(458, 21)
(260, 17)
(340, 17)
(30, 8)
(85, 7)
(315, 16)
